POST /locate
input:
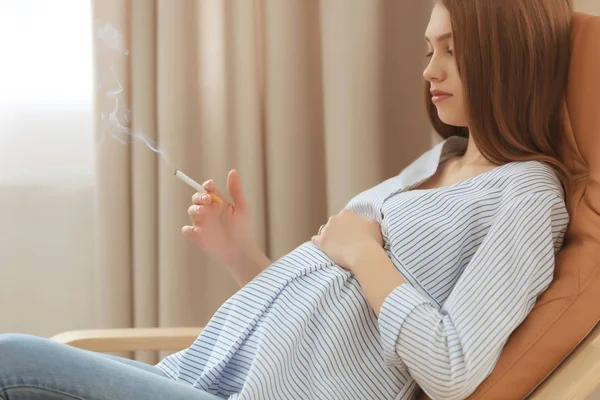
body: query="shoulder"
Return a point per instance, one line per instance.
(530, 178)
(526, 190)
(533, 194)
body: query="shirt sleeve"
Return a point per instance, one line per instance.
(450, 351)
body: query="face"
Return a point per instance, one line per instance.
(442, 72)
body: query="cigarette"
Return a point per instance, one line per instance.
(196, 185)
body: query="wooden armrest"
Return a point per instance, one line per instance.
(130, 339)
(578, 376)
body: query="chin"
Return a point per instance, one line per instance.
(451, 118)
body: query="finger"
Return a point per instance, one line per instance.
(320, 230)
(234, 187)
(198, 214)
(190, 231)
(216, 199)
(211, 187)
(201, 199)
(227, 211)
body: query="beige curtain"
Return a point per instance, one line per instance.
(312, 101)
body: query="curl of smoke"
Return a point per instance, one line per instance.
(112, 38)
(117, 122)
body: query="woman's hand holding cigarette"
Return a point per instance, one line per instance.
(223, 230)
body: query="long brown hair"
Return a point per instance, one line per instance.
(513, 59)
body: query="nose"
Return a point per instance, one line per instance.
(434, 72)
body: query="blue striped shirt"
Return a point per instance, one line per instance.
(475, 256)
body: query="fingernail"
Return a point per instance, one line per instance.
(204, 197)
(197, 209)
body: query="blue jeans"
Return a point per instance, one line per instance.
(33, 368)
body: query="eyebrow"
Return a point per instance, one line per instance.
(445, 36)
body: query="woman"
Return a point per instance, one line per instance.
(416, 284)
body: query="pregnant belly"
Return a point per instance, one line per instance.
(307, 296)
(317, 322)
(303, 320)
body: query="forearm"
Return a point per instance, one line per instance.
(248, 264)
(377, 275)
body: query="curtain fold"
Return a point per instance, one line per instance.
(312, 101)
(296, 190)
(144, 167)
(353, 49)
(113, 272)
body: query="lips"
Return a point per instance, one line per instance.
(437, 96)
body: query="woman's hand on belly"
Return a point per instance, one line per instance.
(345, 236)
(355, 243)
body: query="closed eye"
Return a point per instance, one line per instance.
(430, 54)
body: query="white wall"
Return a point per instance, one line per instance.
(46, 166)
(46, 222)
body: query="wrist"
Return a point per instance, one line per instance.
(248, 262)
(364, 254)
(377, 275)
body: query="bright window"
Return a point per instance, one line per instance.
(46, 90)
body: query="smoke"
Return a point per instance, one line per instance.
(112, 38)
(115, 116)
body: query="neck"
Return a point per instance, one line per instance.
(472, 155)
